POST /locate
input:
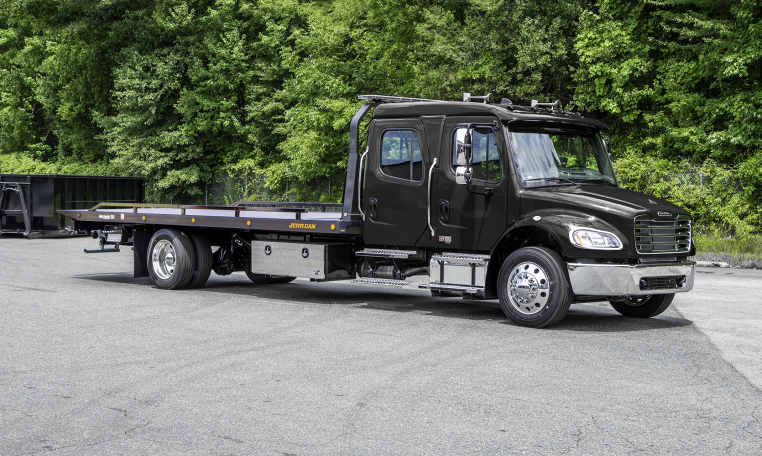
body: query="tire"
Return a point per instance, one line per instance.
(533, 287)
(264, 279)
(643, 306)
(171, 259)
(203, 269)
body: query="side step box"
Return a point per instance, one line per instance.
(462, 272)
(384, 253)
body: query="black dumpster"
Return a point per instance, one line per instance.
(28, 202)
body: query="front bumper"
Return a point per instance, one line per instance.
(625, 280)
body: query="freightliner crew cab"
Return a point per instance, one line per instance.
(487, 200)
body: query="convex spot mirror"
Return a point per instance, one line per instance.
(463, 175)
(463, 156)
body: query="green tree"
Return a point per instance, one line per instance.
(194, 91)
(676, 79)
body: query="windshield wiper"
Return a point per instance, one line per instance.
(559, 179)
(596, 179)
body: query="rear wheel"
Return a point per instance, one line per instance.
(643, 306)
(203, 251)
(533, 287)
(171, 259)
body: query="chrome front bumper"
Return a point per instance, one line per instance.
(624, 280)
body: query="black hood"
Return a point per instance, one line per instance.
(607, 202)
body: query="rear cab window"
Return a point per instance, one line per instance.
(401, 155)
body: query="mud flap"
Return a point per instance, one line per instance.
(140, 239)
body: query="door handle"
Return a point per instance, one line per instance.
(373, 208)
(444, 211)
(428, 196)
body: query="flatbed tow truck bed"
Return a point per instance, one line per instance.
(307, 218)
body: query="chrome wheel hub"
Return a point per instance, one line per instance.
(528, 288)
(163, 259)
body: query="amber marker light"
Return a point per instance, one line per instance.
(193, 220)
(248, 222)
(144, 217)
(333, 227)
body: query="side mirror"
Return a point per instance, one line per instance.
(463, 175)
(463, 148)
(607, 141)
(463, 156)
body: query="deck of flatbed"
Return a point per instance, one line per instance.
(279, 217)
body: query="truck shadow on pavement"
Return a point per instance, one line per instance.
(592, 317)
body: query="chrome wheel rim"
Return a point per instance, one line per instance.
(163, 259)
(528, 288)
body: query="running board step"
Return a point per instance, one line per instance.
(445, 287)
(386, 253)
(468, 292)
(461, 258)
(374, 281)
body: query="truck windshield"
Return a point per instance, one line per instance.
(553, 156)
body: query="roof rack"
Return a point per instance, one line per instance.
(505, 102)
(468, 97)
(535, 104)
(390, 99)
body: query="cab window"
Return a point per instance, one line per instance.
(401, 155)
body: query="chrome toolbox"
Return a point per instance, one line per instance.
(295, 259)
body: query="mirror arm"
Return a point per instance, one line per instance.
(479, 190)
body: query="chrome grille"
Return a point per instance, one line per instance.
(662, 235)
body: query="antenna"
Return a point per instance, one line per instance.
(390, 99)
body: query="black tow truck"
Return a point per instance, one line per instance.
(488, 200)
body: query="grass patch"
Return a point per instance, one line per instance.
(744, 251)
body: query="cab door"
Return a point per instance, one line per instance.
(394, 198)
(472, 217)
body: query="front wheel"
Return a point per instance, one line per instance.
(643, 306)
(533, 287)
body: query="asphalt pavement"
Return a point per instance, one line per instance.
(94, 362)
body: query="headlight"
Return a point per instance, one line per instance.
(587, 238)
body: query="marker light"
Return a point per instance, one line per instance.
(587, 238)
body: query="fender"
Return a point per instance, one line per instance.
(559, 222)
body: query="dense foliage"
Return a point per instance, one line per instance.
(181, 91)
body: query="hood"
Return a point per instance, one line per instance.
(604, 201)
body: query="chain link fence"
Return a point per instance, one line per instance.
(697, 181)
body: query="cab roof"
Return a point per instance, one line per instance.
(508, 113)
